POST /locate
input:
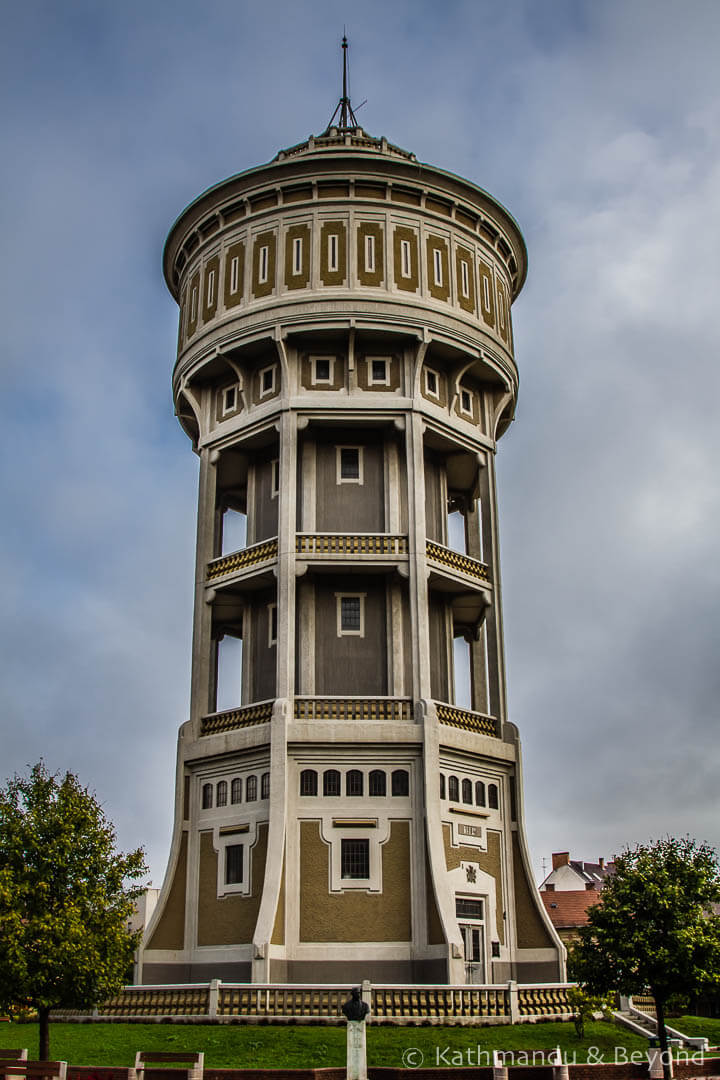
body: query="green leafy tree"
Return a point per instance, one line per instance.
(585, 1006)
(64, 897)
(654, 927)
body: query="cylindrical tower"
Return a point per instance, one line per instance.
(349, 796)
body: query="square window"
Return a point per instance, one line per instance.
(234, 864)
(350, 614)
(355, 859)
(267, 380)
(322, 369)
(349, 465)
(379, 370)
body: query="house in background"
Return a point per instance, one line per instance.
(570, 890)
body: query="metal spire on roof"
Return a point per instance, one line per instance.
(347, 120)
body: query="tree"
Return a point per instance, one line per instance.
(64, 902)
(654, 927)
(585, 1006)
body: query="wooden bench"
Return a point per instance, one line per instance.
(33, 1070)
(13, 1055)
(152, 1065)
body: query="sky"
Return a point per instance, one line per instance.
(597, 124)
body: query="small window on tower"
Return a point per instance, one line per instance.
(379, 371)
(333, 253)
(466, 403)
(207, 796)
(400, 782)
(322, 369)
(221, 794)
(442, 785)
(479, 793)
(464, 279)
(236, 790)
(274, 478)
(453, 789)
(272, 625)
(210, 289)
(234, 864)
(265, 785)
(432, 383)
(193, 305)
(349, 465)
(251, 789)
(267, 380)
(350, 614)
(405, 258)
(437, 267)
(377, 783)
(297, 255)
(234, 274)
(263, 265)
(308, 782)
(355, 859)
(229, 400)
(467, 791)
(331, 782)
(370, 254)
(354, 783)
(493, 801)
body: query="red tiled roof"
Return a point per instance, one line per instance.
(569, 907)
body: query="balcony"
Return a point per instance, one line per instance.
(245, 559)
(354, 709)
(456, 562)
(360, 547)
(478, 723)
(233, 719)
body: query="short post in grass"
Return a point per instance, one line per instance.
(355, 1011)
(560, 1067)
(500, 1071)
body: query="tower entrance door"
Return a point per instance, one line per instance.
(474, 943)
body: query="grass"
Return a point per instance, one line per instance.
(291, 1046)
(698, 1025)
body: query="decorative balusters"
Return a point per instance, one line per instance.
(241, 560)
(454, 560)
(468, 721)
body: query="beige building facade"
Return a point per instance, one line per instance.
(349, 788)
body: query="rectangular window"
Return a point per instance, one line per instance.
(355, 859)
(501, 309)
(272, 625)
(466, 402)
(349, 465)
(369, 254)
(465, 908)
(322, 369)
(193, 305)
(379, 368)
(229, 400)
(405, 258)
(333, 253)
(234, 864)
(234, 274)
(274, 478)
(437, 267)
(267, 381)
(297, 255)
(211, 289)
(432, 383)
(350, 614)
(263, 265)
(464, 279)
(486, 293)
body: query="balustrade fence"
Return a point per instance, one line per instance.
(227, 1002)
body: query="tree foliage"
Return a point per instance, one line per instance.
(585, 1006)
(64, 901)
(654, 926)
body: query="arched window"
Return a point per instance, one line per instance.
(354, 782)
(479, 793)
(400, 782)
(308, 782)
(331, 782)
(251, 789)
(493, 801)
(207, 796)
(265, 785)
(453, 789)
(442, 785)
(467, 791)
(221, 794)
(236, 790)
(376, 783)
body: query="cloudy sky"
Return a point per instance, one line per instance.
(597, 123)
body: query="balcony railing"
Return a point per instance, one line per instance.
(390, 710)
(241, 560)
(351, 544)
(468, 721)
(455, 560)
(249, 716)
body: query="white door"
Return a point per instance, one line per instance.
(473, 940)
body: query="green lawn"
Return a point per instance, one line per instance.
(698, 1025)
(254, 1046)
